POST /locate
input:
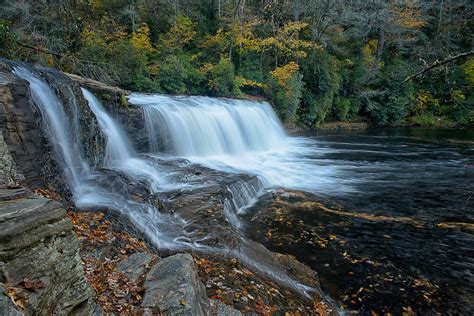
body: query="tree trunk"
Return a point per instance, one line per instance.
(380, 44)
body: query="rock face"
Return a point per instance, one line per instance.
(82, 119)
(9, 176)
(21, 131)
(40, 267)
(37, 246)
(116, 103)
(173, 287)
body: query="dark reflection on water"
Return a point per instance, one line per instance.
(424, 262)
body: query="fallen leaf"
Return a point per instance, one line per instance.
(32, 285)
(18, 296)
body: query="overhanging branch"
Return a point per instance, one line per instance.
(437, 64)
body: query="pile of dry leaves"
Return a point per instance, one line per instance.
(102, 247)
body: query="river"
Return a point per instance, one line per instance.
(385, 216)
(399, 235)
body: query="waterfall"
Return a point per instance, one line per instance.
(94, 189)
(118, 145)
(237, 136)
(203, 126)
(91, 188)
(119, 152)
(58, 129)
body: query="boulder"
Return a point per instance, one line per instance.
(136, 265)
(173, 287)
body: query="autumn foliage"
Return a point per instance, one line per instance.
(351, 56)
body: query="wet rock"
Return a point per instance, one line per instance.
(83, 121)
(173, 287)
(40, 255)
(116, 103)
(21, 131)
(215, 211)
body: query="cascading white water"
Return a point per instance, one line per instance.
(164, 230)
(120, 154)
(55, 118)
(118, 145)
(203, 126)
(243, 194)
(236, 136)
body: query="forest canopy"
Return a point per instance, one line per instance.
(314, 60)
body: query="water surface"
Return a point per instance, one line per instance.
(418, 254)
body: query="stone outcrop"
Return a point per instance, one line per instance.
(22, 131)
(116, 103)
(39, 257)
(173, 287)
(19, 123)
(82, 119)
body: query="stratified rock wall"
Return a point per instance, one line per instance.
(20, 126)
(40, 267)
(37, 244)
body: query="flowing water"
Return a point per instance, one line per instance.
(86, 184)
(203, 126)
(402, 238)
(106, 188)
(401, 204)
(236, 136)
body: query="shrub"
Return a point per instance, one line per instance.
(7, 40)
(221, 78)
(172, 75)
(284, 89)
(429, 120)
(322, 82)
(341, 108)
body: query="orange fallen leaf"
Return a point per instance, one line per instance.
(18, 296)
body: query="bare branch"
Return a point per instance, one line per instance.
(437, 64)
